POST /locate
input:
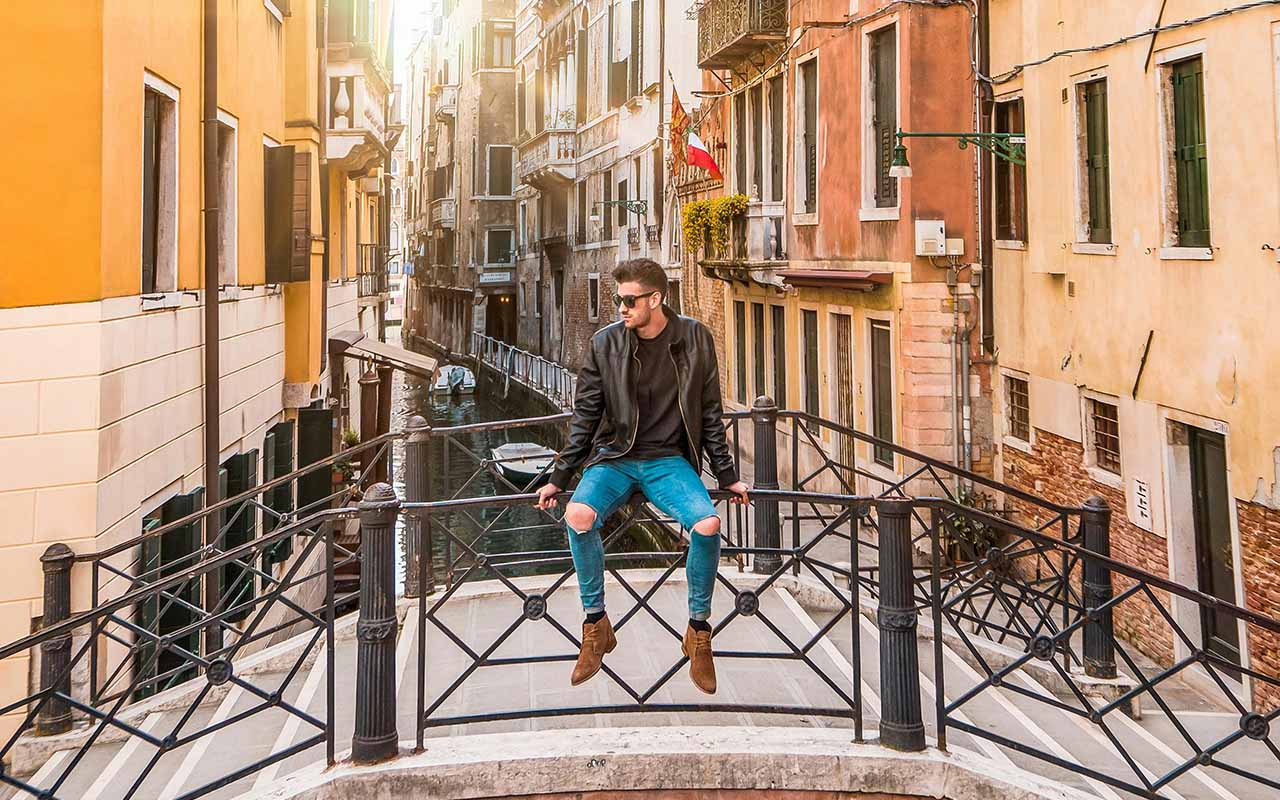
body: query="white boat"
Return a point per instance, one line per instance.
(524, 463)
(452, 379)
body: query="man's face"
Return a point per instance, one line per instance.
(646, 306)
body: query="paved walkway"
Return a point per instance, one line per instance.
(647, 651)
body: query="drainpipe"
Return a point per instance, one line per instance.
(211, 333)
(322, 173)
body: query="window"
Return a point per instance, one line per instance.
(1010, 179)
(1018, 407)
(593, 297)
(758, 347)
(582, 212)
(809, 322)
(740, 336)
(756, 186)
(883, 63)
(537, 297)
(1190, 153)
(500, 170)
(673, 297)
(238, 524)
(277, 449)
(778, 318)
(522, 299)
(622, 203)
(581, 61)
(499, 45)
(1096, 162)
(882, 390)
(227, 206)
(159, 188)
(776, 161)
(740, 141)
(498, 249)
(287, 214)
(1104, 424)
(808, 141)
(522, 227)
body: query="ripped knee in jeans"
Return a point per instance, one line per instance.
(581, 517)
(710, 526)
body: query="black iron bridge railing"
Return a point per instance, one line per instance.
(1028, 617)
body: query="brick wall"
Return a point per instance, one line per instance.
(1055, 470)
(1260, 549)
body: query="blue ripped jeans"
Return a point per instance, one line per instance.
(671, 485)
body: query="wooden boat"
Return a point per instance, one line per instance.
(525, 464)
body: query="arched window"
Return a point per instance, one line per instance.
(395, 234)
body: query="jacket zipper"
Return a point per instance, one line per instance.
(635, 426)
(679, 402)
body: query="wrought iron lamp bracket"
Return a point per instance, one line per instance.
(1011, 147)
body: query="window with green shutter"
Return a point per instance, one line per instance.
(811, 377)
(778, 316)
(1191, 153)
(740, 362)
(882, 390)
(884, 122)
(170, 611)
(809, 141)
(1097, 161)
(758, 347)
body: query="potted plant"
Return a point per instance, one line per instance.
(344, 469)
(968, 539)
(710, 221)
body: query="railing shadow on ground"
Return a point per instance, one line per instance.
(1021, 626)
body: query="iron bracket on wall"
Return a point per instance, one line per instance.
(1011, 147)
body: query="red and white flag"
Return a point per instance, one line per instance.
(698, 155)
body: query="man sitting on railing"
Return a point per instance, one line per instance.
(647, 407)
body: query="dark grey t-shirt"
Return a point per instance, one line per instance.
(661, 428)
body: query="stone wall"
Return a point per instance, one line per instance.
(1055, 470)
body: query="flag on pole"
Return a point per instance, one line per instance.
(679, 125)
(698, 155)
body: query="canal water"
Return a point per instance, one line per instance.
(459, 474)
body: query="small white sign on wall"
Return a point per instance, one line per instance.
(1141, 514)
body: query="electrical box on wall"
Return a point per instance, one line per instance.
(931, 237)
(955, 247)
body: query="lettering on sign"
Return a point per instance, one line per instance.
(495, 277)
(1142, 504)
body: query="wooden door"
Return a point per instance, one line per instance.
(1215, 561)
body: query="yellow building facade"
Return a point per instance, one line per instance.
(101, 285)
(1135, 272)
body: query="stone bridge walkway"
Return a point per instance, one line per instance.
(646, 651)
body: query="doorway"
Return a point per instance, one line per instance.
(500, 318)
(1214, 554)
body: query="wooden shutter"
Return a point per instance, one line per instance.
(777, 161)
(845, 408)
(659, 194)
(882, 390)
(1097, 165)
(758, 348)
(885, 120)
(300, 258)
(635, 60)
(150, 189)
(269, 521)
(779, 314)
(740, 331)
(740, 141)
(500, 171)
(582, 212)
(809, 75)
(278, 212)
(582, 62)
(607, 211)
(811, 400)
(315, 442)
(539, 102)
(617, 83)
(1191, 153)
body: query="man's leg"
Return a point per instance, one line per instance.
(601, 490)
(672, 485)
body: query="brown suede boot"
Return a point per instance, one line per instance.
(597, 639)
(697, 647)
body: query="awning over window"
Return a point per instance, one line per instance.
(861, 280)
(354, 344)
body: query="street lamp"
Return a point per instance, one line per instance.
(1011, 147)
(637, 207)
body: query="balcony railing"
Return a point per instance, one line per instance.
(728, 30)
(371, 271)
(547, 159)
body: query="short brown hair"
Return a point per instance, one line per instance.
(644, 271)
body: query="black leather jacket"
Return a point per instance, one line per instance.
(605, 412)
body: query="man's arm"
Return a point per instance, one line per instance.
(588, 408)
(714, 440)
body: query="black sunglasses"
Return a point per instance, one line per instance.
(629, 300)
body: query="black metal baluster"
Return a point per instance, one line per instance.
(935, 589)
(376, 737)
(1099, 644)
(764, 417)
(901, 725)
(55, 653)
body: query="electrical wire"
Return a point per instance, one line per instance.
(1005, 77)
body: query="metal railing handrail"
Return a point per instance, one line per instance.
(195, 516)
